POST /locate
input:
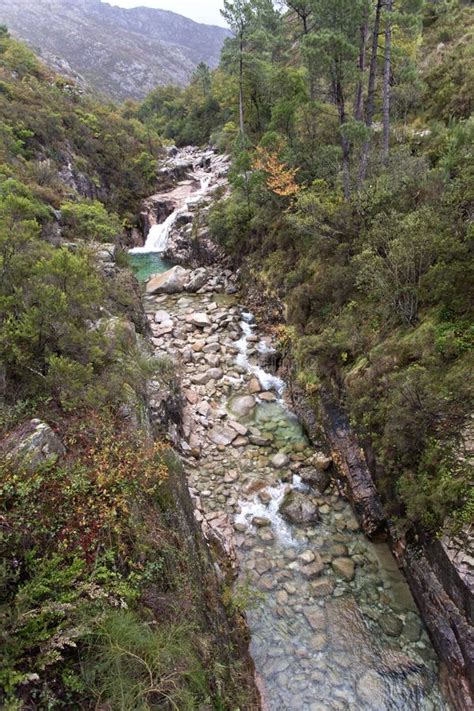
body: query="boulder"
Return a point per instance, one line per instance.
(317, 478)
(243, 405)
(197, 280)
(201, 320)
(222, 435)
(162, 316)
(280, 460)
(321, 461)
(171, 282)
(32, 444)
(254, 386)
(344, 567)
(298, 509)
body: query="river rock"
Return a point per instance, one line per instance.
(222, 435)
(171, 282)
(254, 386)
(317, 478)
(371, 691)
(197, 280)
(344, 567)
(162, 317)
(280, 460)
(268, 396)
(298, 509)
(391, 625)
(243, 405)
(313, 570)
(316, 618)
(201, 320)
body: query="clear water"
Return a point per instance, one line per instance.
(146, 264)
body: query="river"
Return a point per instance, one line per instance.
(333, 624)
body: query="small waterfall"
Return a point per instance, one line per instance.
(157, 239)
(158, 236)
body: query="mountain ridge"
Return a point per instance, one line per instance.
(120, 53)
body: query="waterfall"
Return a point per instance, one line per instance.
(157, 239)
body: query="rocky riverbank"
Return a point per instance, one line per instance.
(332, 620)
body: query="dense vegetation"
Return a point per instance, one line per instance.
(351, 129)
(101, 602)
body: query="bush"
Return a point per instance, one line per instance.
(89, 220)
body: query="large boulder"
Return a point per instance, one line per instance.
(297, 508)
(171, 282)
(197, 280)
(32, 444)
(243, 405)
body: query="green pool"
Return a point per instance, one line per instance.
(144, 265)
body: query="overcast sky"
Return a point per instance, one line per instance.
(199, 10)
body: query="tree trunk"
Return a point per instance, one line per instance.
(345, 144)
(386, 82)
(369, 116)
(362, 56)
(241, 89)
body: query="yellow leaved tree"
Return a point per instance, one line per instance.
(280, 178)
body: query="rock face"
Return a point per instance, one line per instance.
(171, 282)
(32, 444)
(353, 467)
(298, 509)
(122, 53)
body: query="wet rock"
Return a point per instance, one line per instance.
(268, 397)
(322, 587)
(261, 522)
(243, 405)
(371, 690)
(240, 429)
(317, 478)
(280, 460)
(316, 618)
(391, 625)
(319, 642)
(260, 440)
(313, 570)
(344, 567)
(170, 282)
(254, 386)
(412, 629)
(222, 436)
(321, 461)
(298, 509)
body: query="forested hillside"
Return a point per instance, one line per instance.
(351, 129)
(102, 603)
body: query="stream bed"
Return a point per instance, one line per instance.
(332, 620)
(333, 623)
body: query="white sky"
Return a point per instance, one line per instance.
(199, 10)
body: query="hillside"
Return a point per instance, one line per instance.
(103, 574)
(119, 53)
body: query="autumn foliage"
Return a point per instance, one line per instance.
(280, 178)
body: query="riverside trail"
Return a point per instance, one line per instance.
(333, 624)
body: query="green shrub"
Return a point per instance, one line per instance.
(89, 220)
